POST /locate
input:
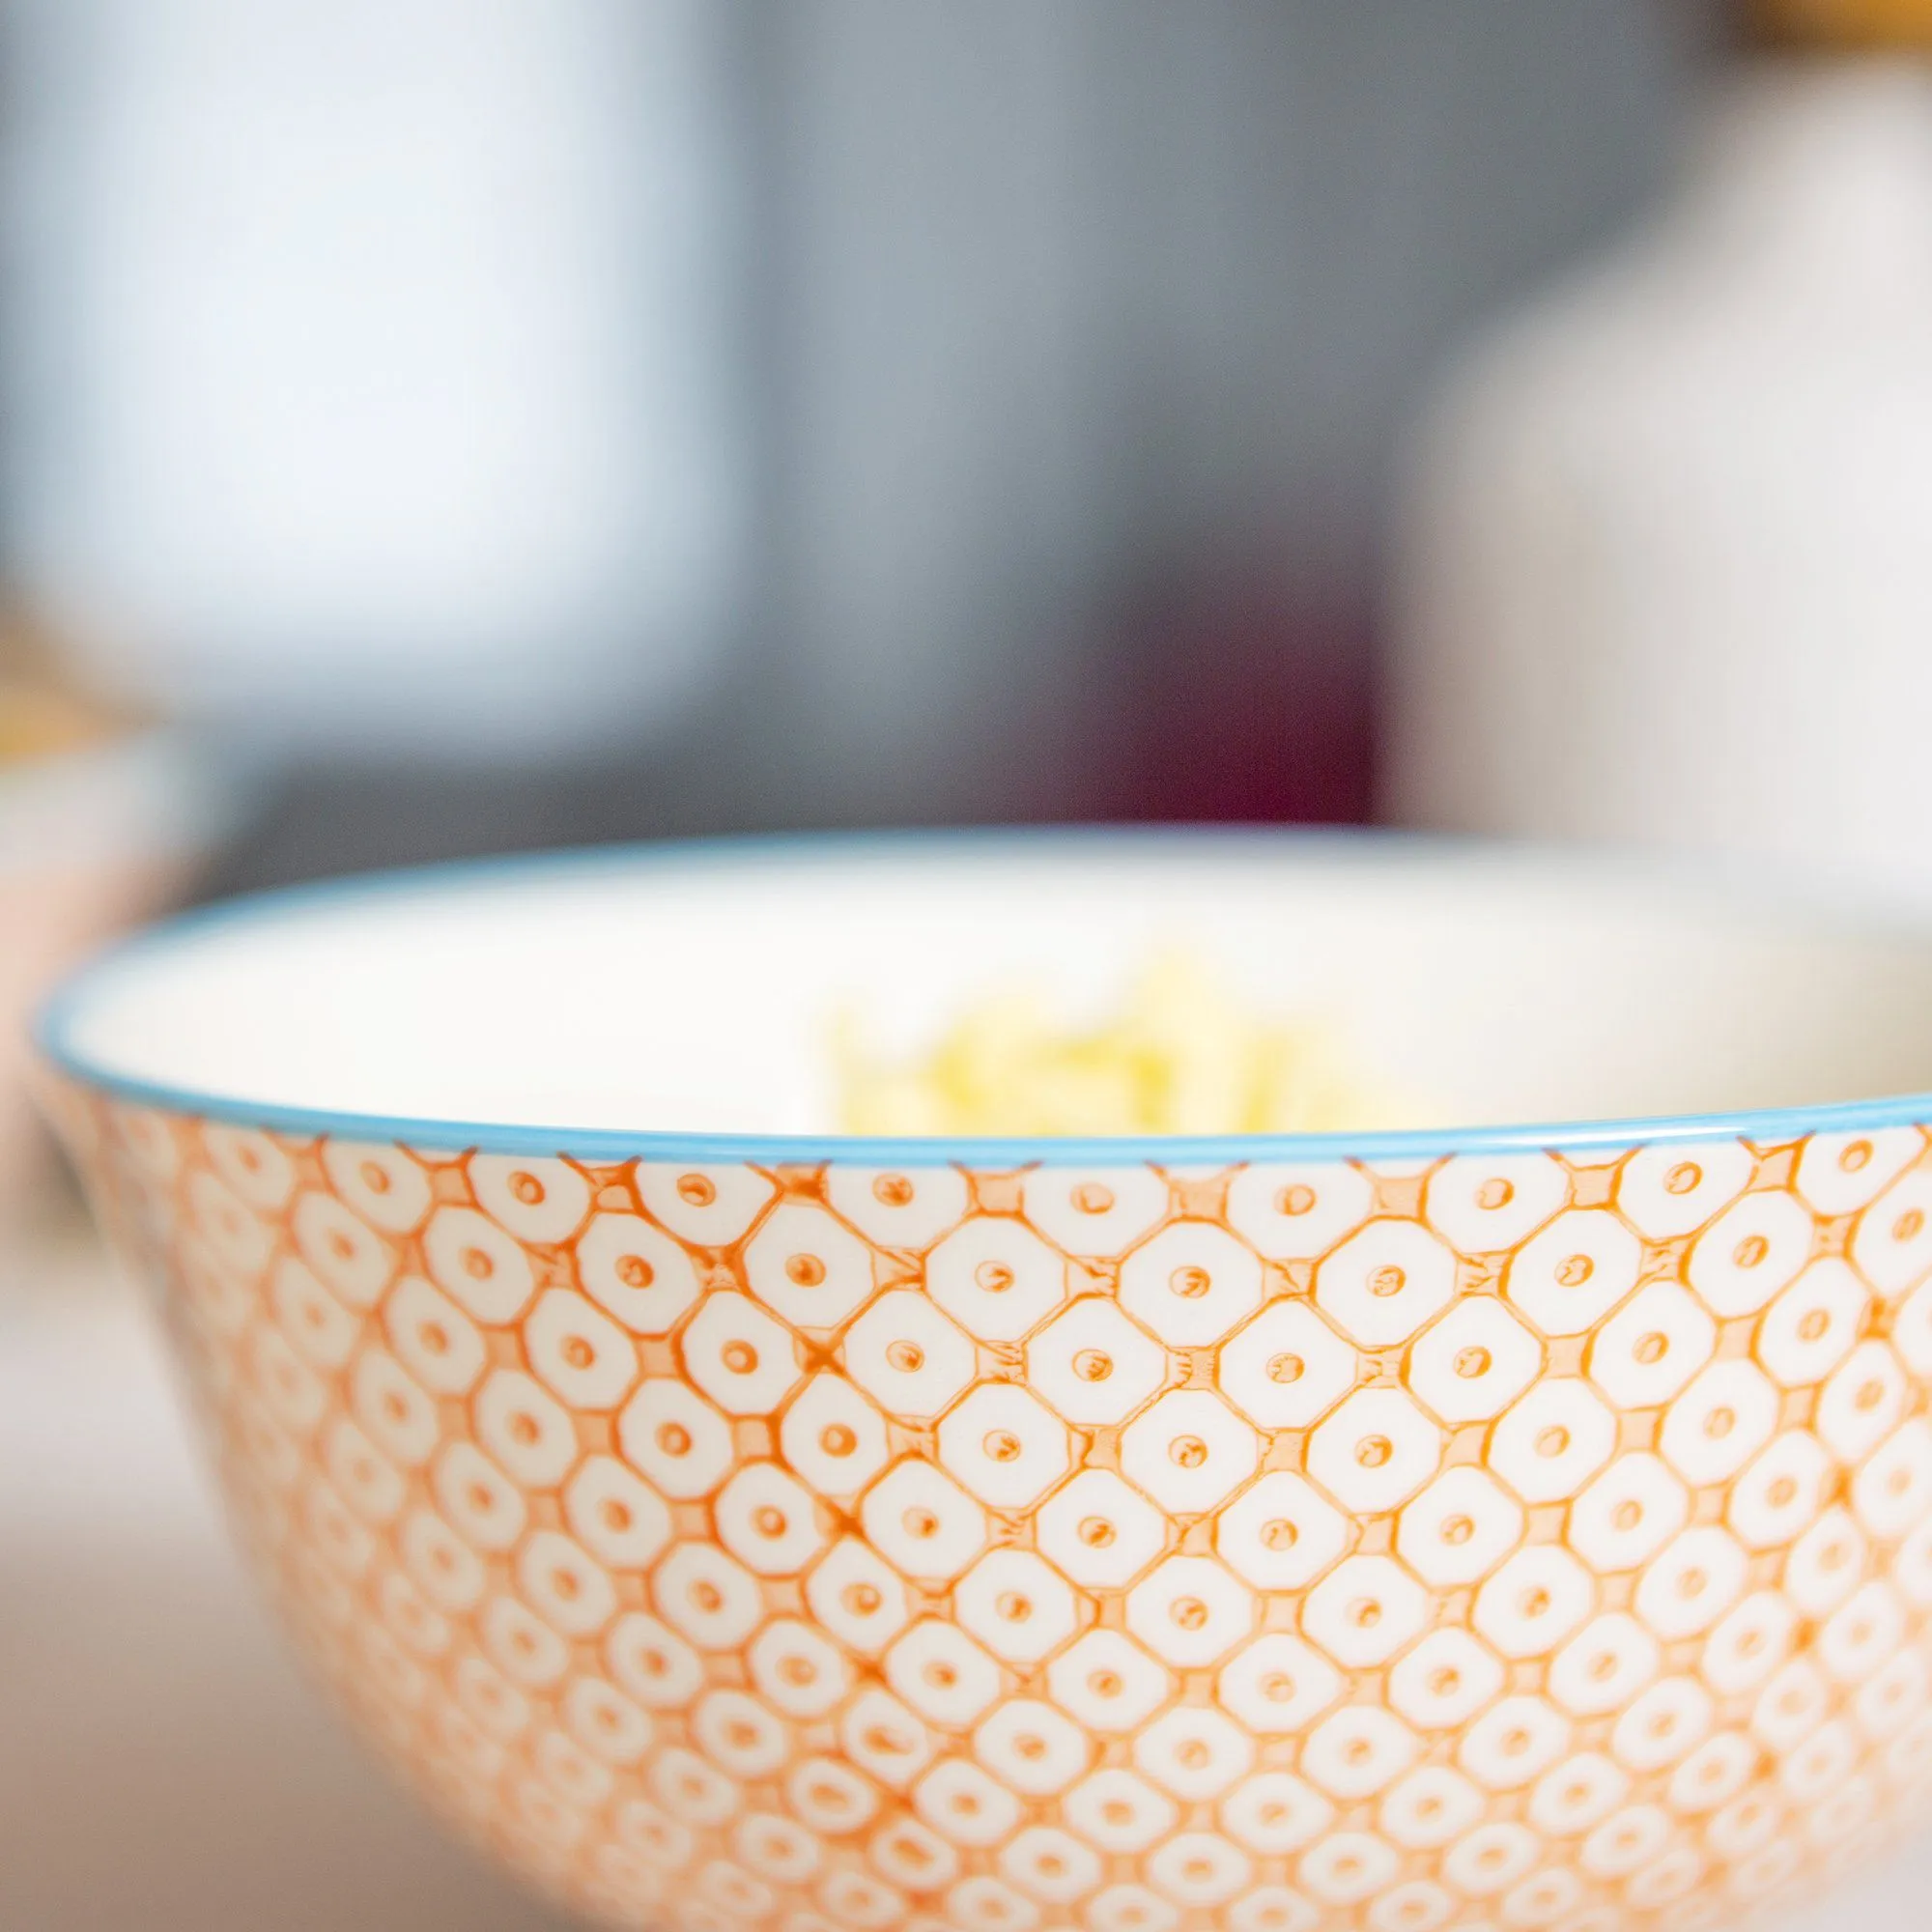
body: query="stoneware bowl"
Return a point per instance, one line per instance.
(735, 1525)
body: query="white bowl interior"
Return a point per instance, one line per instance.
(697, 992)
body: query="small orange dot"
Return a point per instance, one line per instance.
(1458, 1530)
(1651, 1348)
(1294, 1200)
(993, 1277)
(1908, 1225)
(375, 1178)
(696, 1190)
(1190, 1284)
(1096, 1532)
(577, 1353)
(1574, 1270)
(1495, 1192)
(891, 1190)
(635, 1271)
(1002, 1445)
(1719, 1423)
(1092, 1198)
(674, 1438)
(920, 1524)
(1093, 1365)
(1187, 1451)
(908, 1358)
(1472, 1362)
(1286, 1369)
(1626, 1514)
(739, 1356)
(1190, 1614)
(1387, 1280)
(769, 1522)
(1682, 1178)
(1279, 1534)
(1750, 1252)
(1013, 1607)
(476, 1263)
(528, 1188)
(1372, 1452)
(1855, 1157)
(1812, 1327)
(804, 1270)
(861, 1599)
(1553, 1441)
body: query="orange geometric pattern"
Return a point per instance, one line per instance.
(1514, 1541)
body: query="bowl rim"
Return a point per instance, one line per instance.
(52, 1030)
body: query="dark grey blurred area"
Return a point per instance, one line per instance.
(1080, 337)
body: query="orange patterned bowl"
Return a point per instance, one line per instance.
(734, 1526)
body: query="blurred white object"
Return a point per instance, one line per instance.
(1667, 568)
(90, 842)
(373, 359)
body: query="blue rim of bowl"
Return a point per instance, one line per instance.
(53, 1024)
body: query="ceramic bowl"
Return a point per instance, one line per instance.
(736, 1525)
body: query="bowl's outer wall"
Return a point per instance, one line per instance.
(1537, 1540)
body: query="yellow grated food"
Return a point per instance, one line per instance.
(1181, 1057)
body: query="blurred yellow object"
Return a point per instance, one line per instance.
(42, 712)
(1184, 1057)
(37, 722)
(1869, 24)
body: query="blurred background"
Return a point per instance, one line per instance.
(431, 427)
(503, 423)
